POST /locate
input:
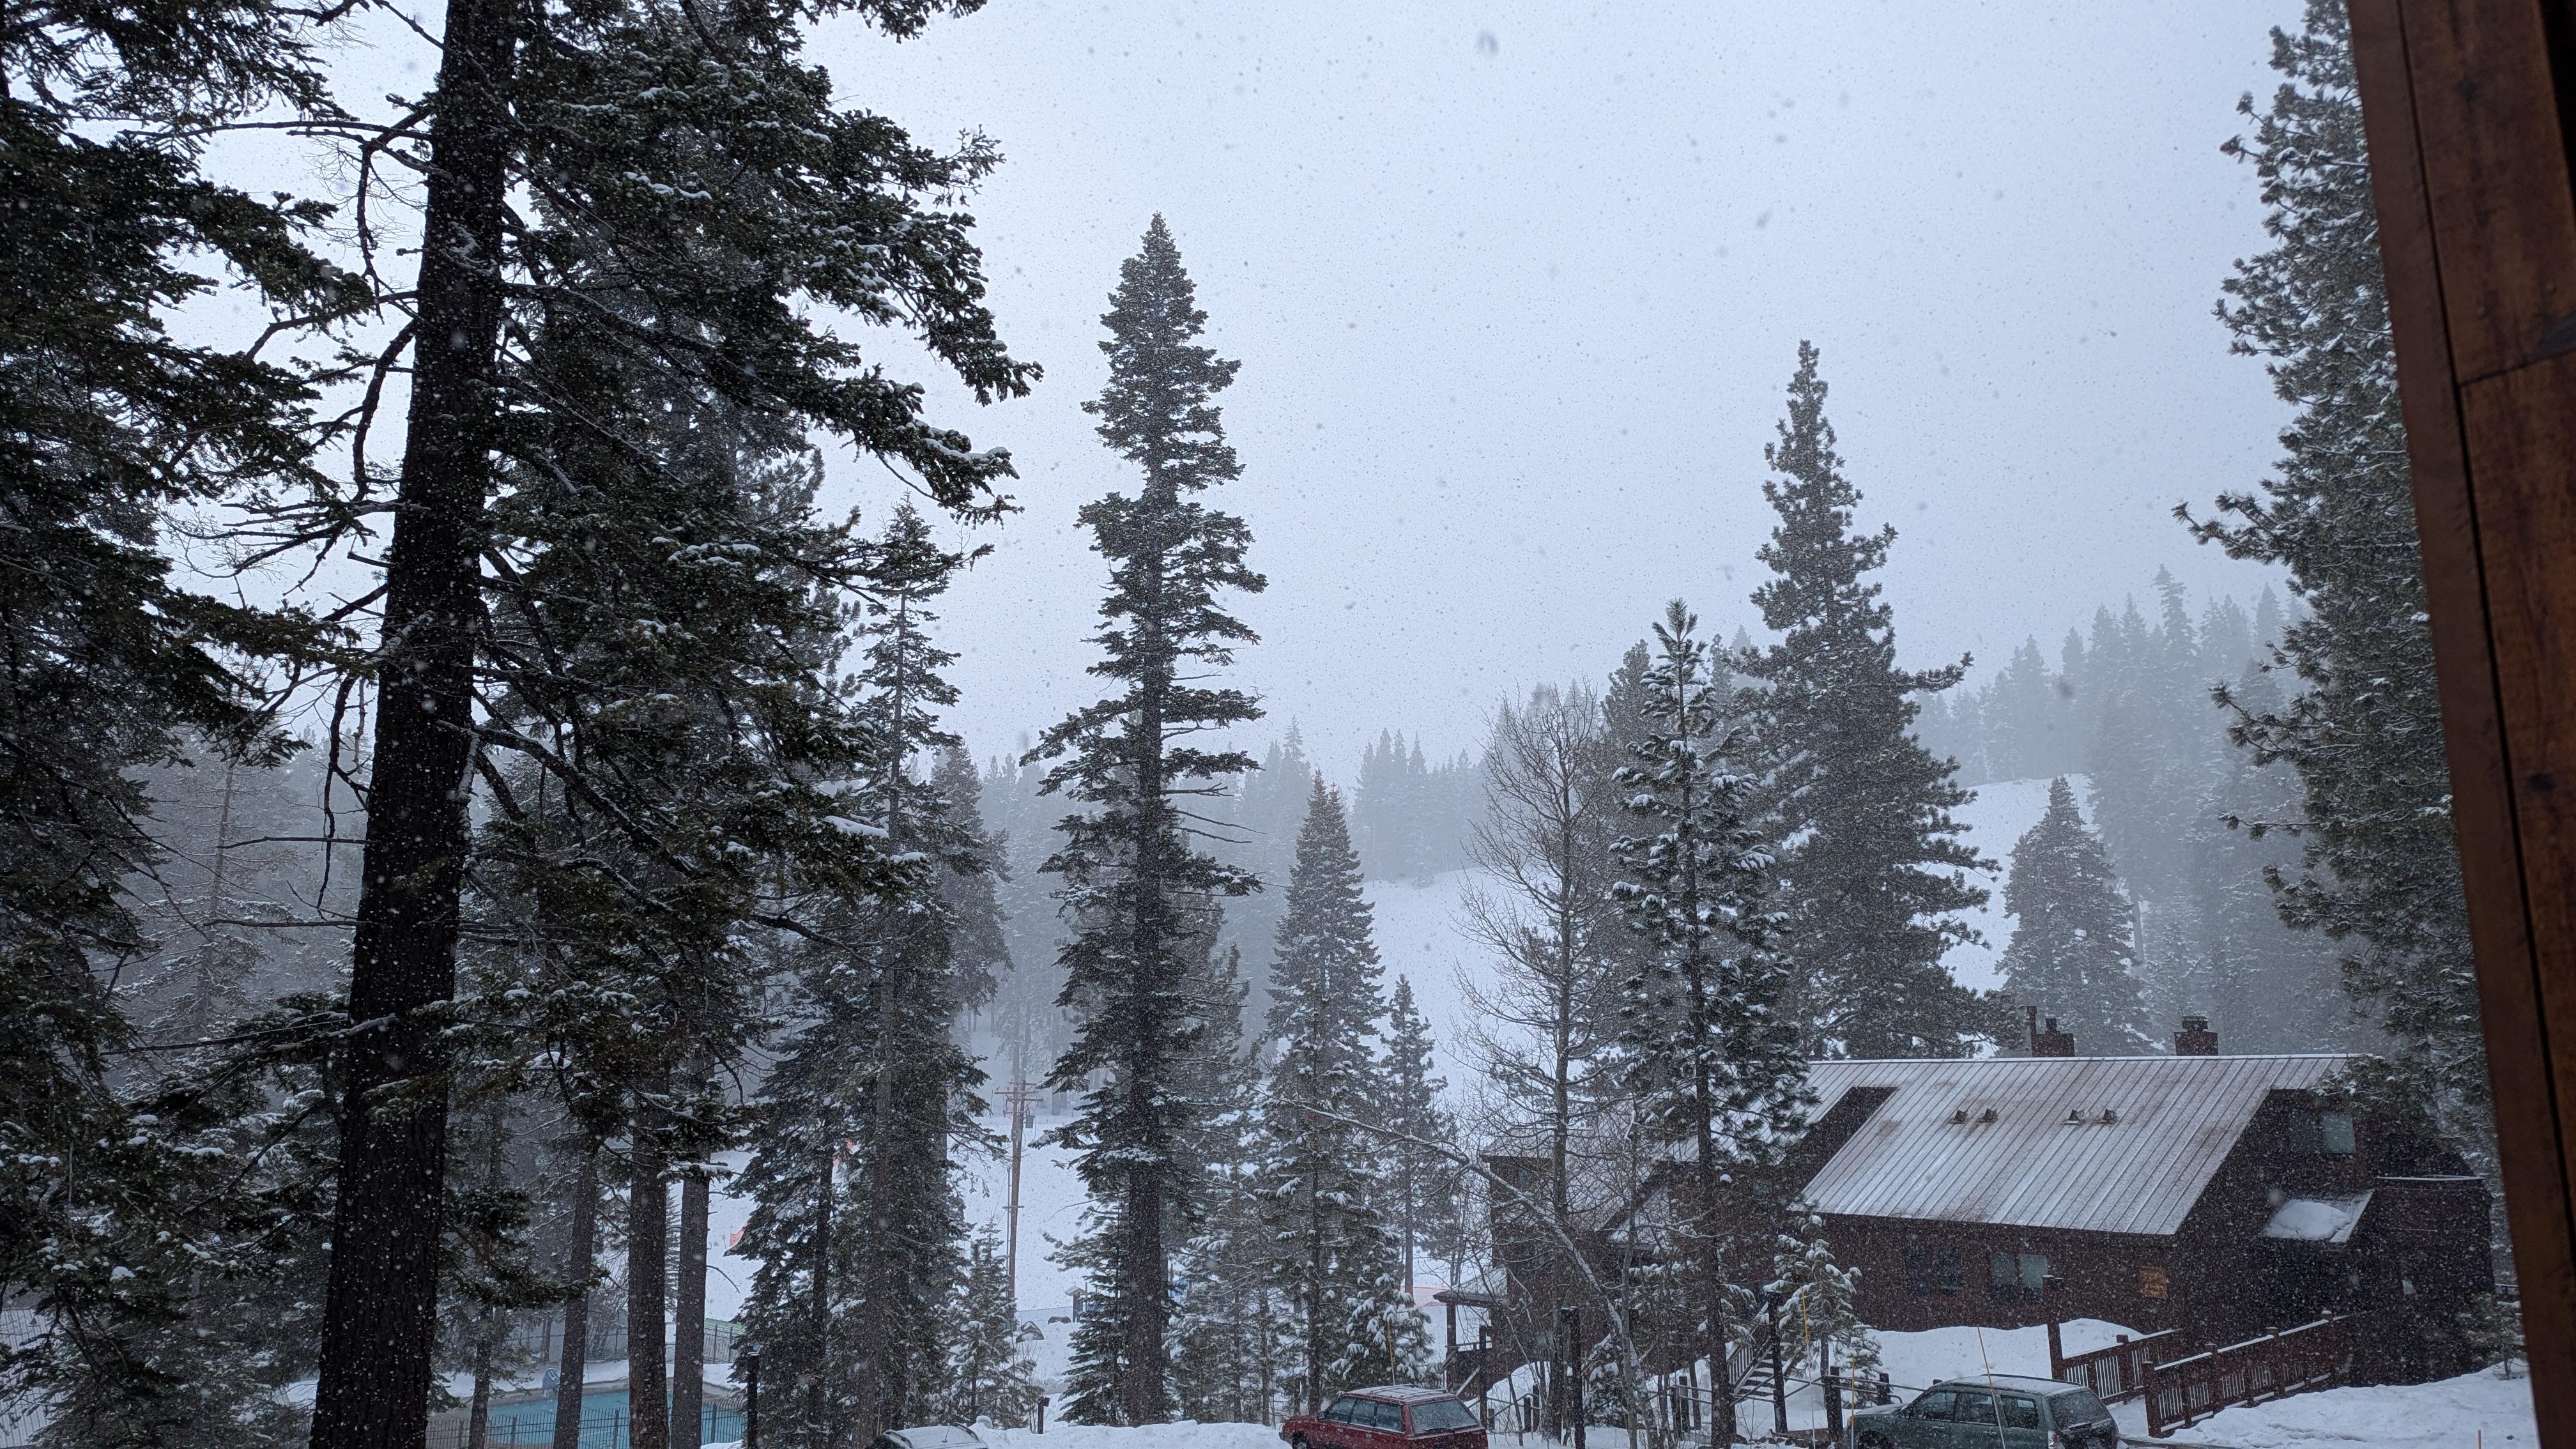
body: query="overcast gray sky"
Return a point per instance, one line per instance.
(1516, 289)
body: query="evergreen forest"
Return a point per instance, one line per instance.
(507, 885)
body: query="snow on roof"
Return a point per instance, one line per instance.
(1928, 1151)
(2324, 1218)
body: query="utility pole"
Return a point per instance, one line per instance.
(1019, 1096)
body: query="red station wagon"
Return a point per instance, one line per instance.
(1391, 1416)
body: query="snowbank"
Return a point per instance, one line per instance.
(2472, 1409)
(1152, 1436)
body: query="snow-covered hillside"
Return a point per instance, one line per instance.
(1418, 936)
(2002, 813)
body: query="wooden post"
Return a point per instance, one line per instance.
(2056, 1353)
(1485, 1375)
(2467, 109)
(1779, 1371)
(1449, 1347)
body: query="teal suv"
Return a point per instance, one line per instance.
(2001, 1412)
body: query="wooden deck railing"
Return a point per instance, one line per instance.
(2118, 1371)
(2311, 1356)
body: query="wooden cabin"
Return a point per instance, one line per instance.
(2216, 1195)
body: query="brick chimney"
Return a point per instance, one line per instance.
(2048, 1041)
(2195, 1039)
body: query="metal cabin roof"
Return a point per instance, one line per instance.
(2174, 1120)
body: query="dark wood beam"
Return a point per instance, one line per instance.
(2466, 106)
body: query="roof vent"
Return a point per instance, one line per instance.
(2109, 1117)
(2195, 1039)
(1987, 1115)
(1959, 1118)
(2074, 1116)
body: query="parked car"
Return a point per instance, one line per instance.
(2001, 1412)
(1390, 1416)
(928, 1436)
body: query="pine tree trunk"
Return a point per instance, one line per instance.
(478, 1413)
(1144, 1269)
(689, 1343)
(579, 1262)
(478, 1416)
(1713, 1285)
(648, 1226)
(817, 1394)
(380, 1313)
(1315, 1348)
(880, 1389)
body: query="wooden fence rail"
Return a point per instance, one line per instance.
(2311, 1356)
(2116, 1372)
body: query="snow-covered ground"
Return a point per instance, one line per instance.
(2462, 1413)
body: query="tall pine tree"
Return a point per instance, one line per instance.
(2071, 954)
(2379, 870)
(109, 666)
(693, 191)
(1423, 1188)
(856, 1222)
(1874, 888)
(1712, 1053)
(1135, 885)
(1336, 1255)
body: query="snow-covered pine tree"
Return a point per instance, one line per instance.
(979, 949)
(108, 665)
(875, 1085)
(1135, 887)
(1030, 1027)
(990, 1379)
(1711, 1053)
(2273, 987)
(1874, 889)
(2363, 729)
(1227, 1329)
(1423, 1187)
(1335, 1254)
(660, 152)
(2071, 956)
(1821, 1320)
(1260, 836)
(662, 729)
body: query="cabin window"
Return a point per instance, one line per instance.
(1932, 1270)
(2016, 1277)
(2321, 1134)
(2334, 1133)
(2151, 1281)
